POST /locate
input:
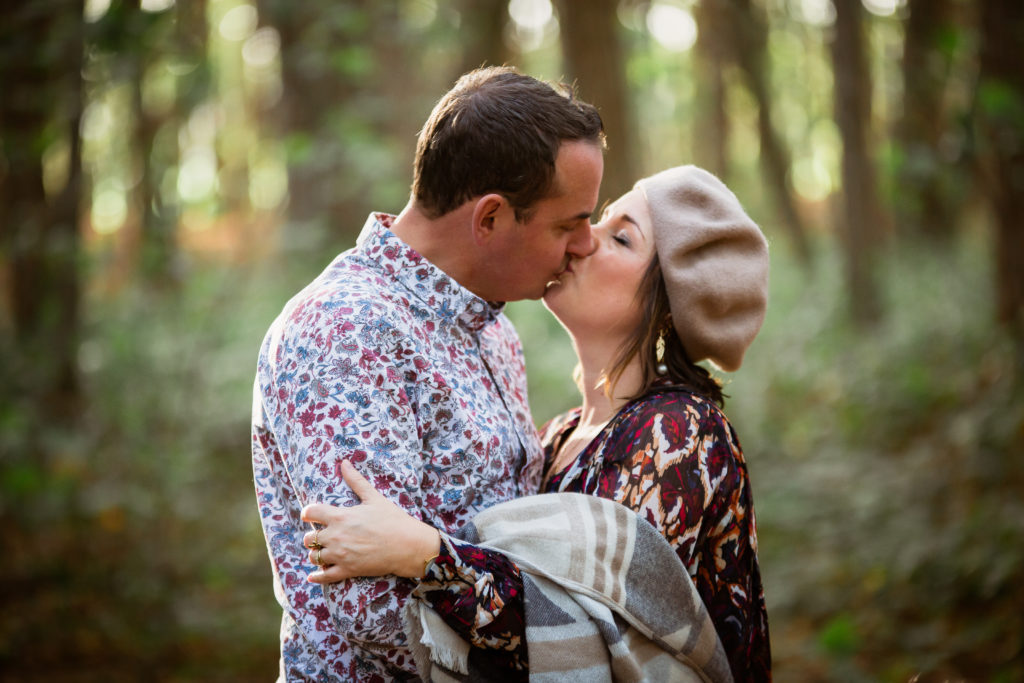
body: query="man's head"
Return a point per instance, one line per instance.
(528, 158)
(499, 131)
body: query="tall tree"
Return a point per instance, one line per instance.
(861, 212)
(1001, 120)
(711, 123)
(749, 38)
(346, 90)
(320, 47)
(922, 203)
(178, 33)
(41, 49)
(483, 25)
(594, 57)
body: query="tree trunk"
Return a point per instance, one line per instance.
(158, 220)
(43, 93)
(345, 87)
(1001, 120)
(311, 89)
(483, 26)
(861, 226)
(922, 202)
(711, 123)
(750, 38)
(593, 54)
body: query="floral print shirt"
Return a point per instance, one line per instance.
(386, 361)
(673, 458)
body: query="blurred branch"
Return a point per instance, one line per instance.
(748, 37)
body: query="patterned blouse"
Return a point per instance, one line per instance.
(384, 360)
(673, 458)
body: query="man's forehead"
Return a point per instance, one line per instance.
(575, 180)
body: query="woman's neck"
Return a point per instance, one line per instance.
(596, 358)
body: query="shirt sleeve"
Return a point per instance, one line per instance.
(479, 593)
(683, 471)
(334, 391)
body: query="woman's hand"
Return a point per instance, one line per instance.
(371, 539)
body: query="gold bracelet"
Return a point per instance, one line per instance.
(426, 563)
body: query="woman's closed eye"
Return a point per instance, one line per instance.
(622, 239)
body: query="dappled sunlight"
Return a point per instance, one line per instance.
(172, 173)
(672, 26)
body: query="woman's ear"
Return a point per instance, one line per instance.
(488, 213)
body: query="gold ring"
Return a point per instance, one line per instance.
(319, 559)
(315, 545)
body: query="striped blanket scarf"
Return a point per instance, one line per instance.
(606, 598)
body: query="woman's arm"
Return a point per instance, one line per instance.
(477, 591)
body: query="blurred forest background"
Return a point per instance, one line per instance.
(171, 172)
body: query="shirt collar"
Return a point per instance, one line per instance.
(427, 282)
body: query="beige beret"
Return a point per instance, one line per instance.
(714, 260)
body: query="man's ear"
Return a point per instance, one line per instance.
(488, 213)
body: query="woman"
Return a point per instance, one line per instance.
(679, 275)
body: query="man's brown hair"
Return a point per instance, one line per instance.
(498, 130)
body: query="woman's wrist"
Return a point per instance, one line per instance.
(424, 546)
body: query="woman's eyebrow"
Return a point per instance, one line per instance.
(630, 219)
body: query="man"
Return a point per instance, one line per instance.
(397, 358)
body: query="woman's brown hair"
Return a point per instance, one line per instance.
(655, 318)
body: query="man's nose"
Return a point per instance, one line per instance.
(583, 243)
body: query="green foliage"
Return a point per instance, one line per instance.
(887, 494)
(1000, 101)
(887, 490)
(550, 360)
(885, 462)
(139, 532)
(839, 636)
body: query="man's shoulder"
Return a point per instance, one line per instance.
(349, 299)
(353, 289)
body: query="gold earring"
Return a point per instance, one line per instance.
(659, 353)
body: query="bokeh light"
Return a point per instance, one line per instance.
(672, 26)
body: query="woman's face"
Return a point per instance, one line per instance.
(596, 295)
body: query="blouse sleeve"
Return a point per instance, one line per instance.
(683, 471)
(479, 593)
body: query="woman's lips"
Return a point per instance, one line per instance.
(558, 277)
